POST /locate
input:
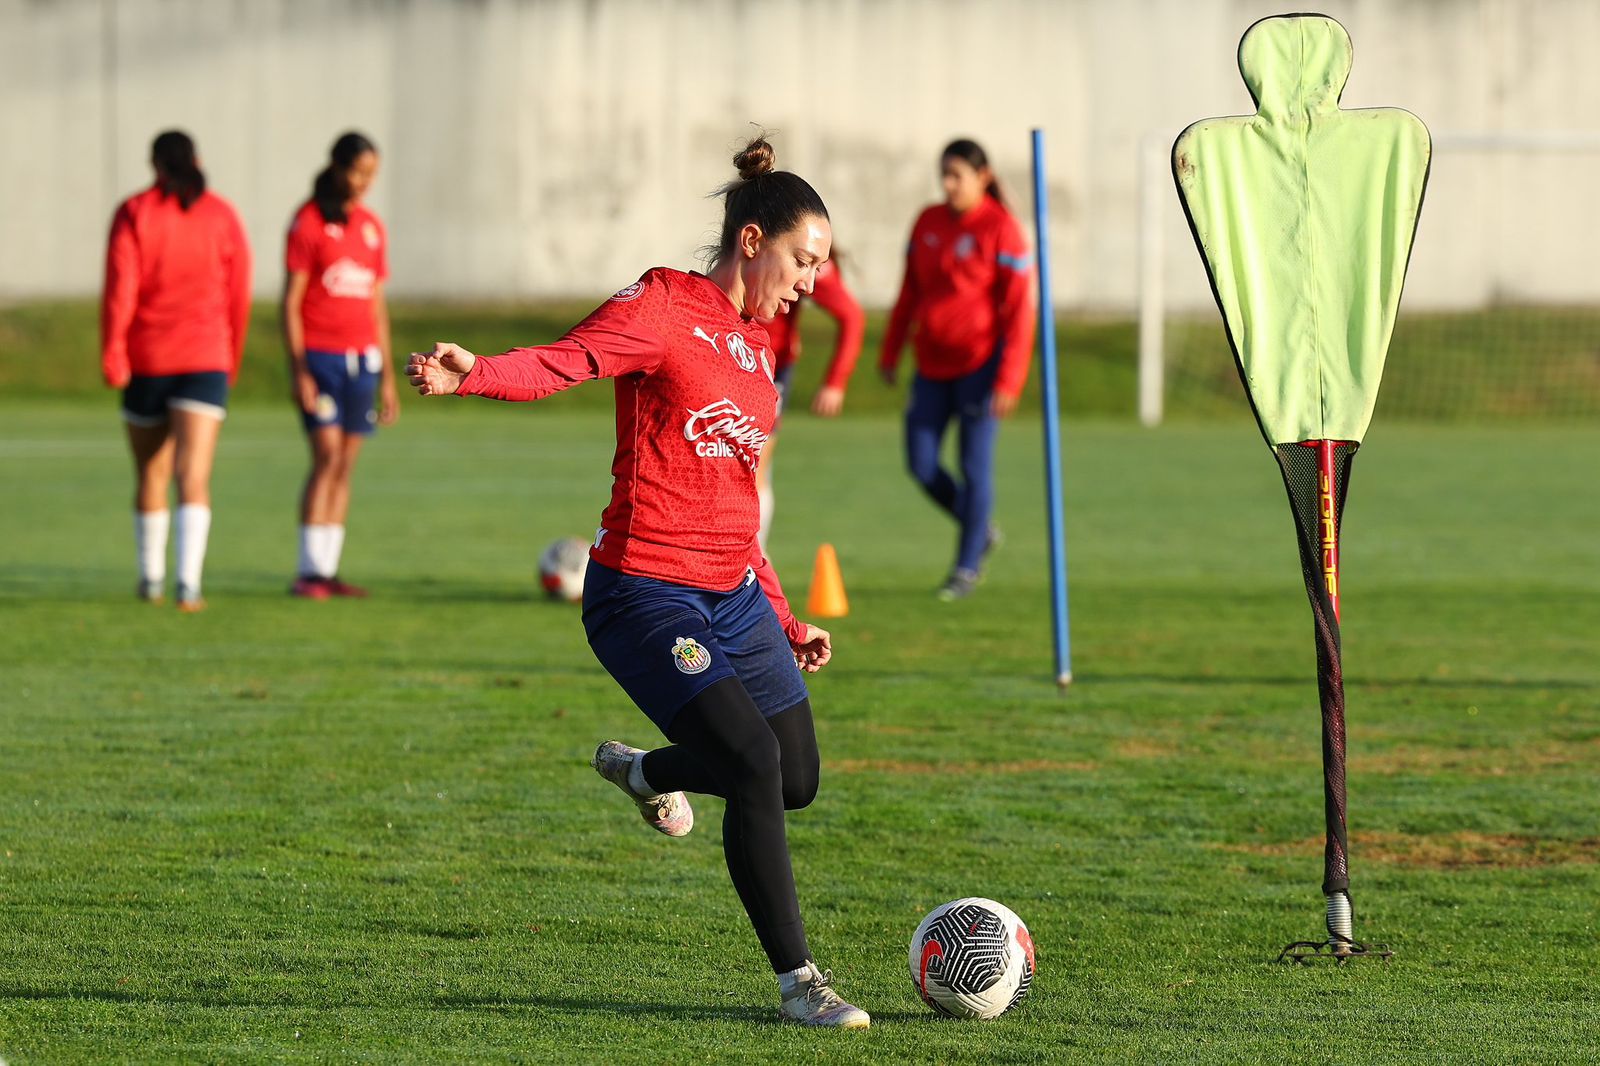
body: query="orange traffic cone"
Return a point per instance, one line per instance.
(827, 587)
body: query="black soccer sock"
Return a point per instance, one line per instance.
(740, 757)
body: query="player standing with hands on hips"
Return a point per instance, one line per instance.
(967, 305)
(680, 605)
(172, 323)
(336, 330)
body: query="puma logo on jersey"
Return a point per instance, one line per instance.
(709, 338)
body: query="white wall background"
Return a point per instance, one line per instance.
(539, 148)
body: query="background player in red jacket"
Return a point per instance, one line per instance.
(967, 305)
(679, 603)
(833, 297)
(172, 323)
(336, 329)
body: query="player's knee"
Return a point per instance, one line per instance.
(799, 788)
(757, 760)
(923, 467)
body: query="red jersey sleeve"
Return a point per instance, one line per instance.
(300, 252)
(905, 310)
(793, 628)
(238, 287)
(1014, 306)
(619, 337)
(119, 299)
(833, 297)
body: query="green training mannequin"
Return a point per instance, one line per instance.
(1305, 215)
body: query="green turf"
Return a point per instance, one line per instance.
(366, 831)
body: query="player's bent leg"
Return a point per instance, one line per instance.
(665, 812)
(800, 761)
(927, 415)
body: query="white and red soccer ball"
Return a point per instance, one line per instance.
(561, 568)
(972, 958)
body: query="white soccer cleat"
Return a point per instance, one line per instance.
(667, 813)
(814, 1002)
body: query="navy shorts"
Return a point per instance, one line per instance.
(146, 400)
(347, 389)
(667, 643)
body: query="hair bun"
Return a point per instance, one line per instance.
(757, 159)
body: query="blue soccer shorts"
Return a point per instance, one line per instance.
(666, 643)
(147, 399)
(347, 389)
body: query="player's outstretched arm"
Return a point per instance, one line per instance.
(439, 372)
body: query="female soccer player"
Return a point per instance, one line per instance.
(172, 325)
(336, 329)
(679, 603)
(784, 335)
(967, 304)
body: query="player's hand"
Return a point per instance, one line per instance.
(828, 401)
(119, 379)
(1002, 404)
(388, 402)
(439, 372)
(813, 653)
(305, 391)
(887, 373)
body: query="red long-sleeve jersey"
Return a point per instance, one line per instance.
(695, 406)
(177, 288)
(833, 297)
(967, 293)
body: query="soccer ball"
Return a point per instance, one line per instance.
(972, 958)
(561, 568)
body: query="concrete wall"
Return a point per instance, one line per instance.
(557, 147)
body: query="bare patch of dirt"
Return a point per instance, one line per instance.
(1446, 851)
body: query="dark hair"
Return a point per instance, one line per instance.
(177, 174)
(330, 190)
(775, 200)
(971, 153)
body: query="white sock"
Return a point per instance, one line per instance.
(320, 546)
(332, 548)
(150, 537)
(309, 536)
(636, 780)
(194, 528)
(765, 499)
(789, 982)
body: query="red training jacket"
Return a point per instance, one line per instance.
(177, 290)
(967, 294)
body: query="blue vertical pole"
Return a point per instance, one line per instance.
(1052, 423)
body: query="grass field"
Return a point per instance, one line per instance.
(367, 831)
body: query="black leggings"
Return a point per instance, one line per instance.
(721, 746)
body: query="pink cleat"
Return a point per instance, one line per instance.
(668, 813)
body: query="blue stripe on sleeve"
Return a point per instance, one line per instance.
(1018, 263)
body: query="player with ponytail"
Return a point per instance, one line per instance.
(680, 605)
(172, 325)
(966, 304)
(336, 332)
